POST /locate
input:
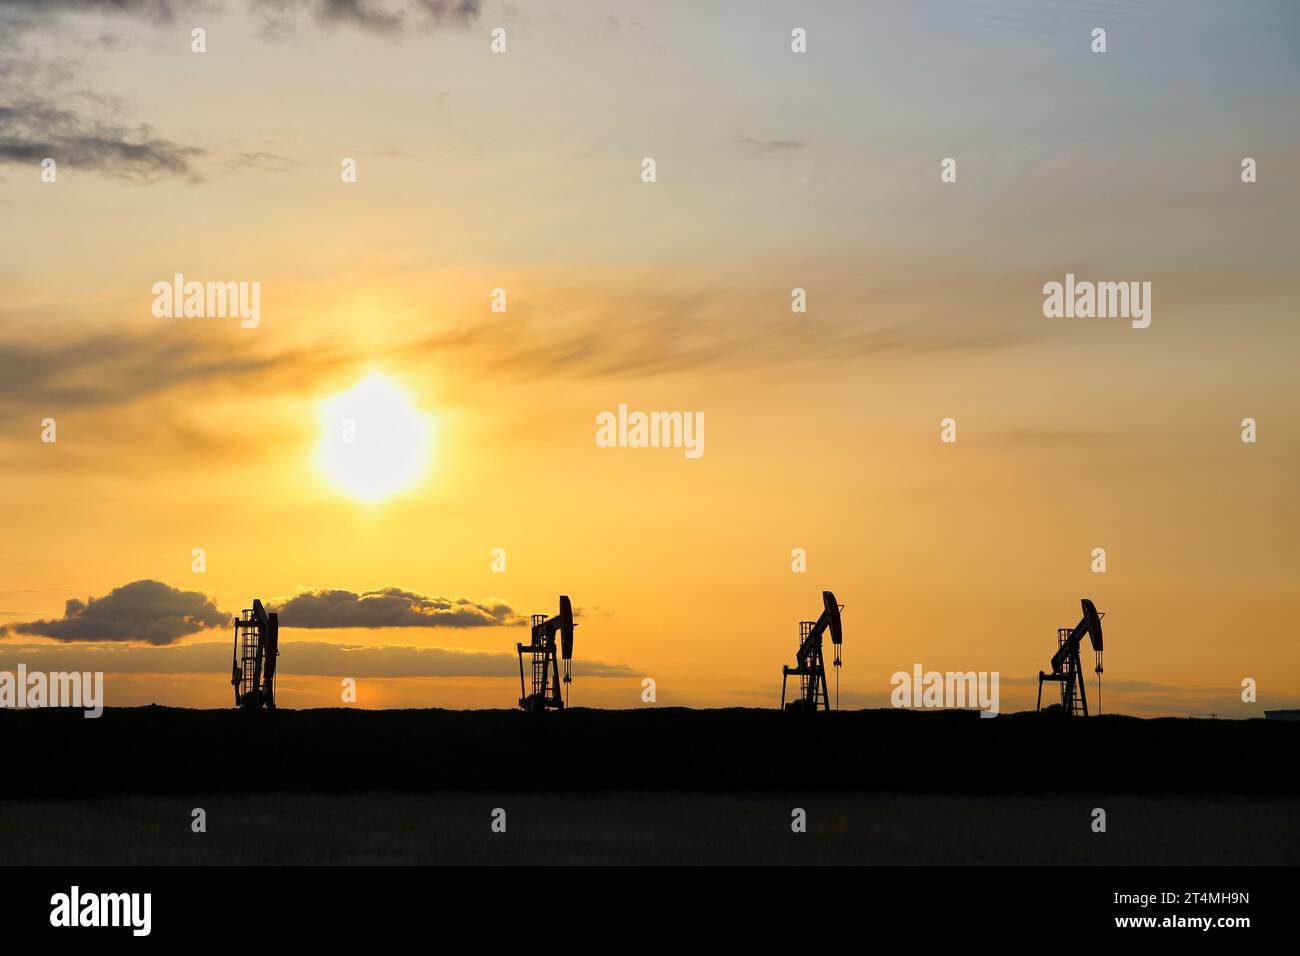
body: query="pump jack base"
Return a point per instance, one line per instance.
(537, 705)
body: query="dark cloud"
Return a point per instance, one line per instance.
(385, 15)
(36, 122)
(282, 17)
(151, 8)
(378, 15)
(112, 369)
(18, 18)
(390, 607)
(147, 611)
(30, 132)
(37, 119)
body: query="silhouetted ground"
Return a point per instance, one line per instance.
(642, 786)
(157, 750)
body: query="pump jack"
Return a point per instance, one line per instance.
(545, 668)
(1067, 669)
(257, 645)
(811, 667)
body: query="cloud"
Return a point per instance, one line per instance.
(297, 658)
(113, 374)
(662, 334)
(392, 15)
(163, 9)
(36, 123)
(280, 18)
(260, 160)
(36, 120)
(390, 607)
(1135, 698)
(112, 368)
(1143, 698)
(147, 611)
(32, 131)
(377, 15)
(663, 338)
(1035, 436)
(773, 145)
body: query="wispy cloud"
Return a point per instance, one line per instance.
(33, 131)
(773, 145)
(260, 160)
(1152, 699)
(163, 9)
(1135, 698)
(97, 370)
(377, 16)
(36, 121)
(298, 658)
(667, 341)
(1030, 436)
(662, 334)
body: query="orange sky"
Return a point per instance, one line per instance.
(521, 171)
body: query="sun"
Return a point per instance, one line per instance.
(374, 440)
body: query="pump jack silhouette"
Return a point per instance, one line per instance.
(811, 667)
(257, 645)
(545, 669)
(1067, 668)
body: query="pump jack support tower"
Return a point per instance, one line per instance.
(257, 645)
(544, 668)
(811, 667)
(1067, 669)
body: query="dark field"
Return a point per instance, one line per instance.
(640, 827)
(157, 750)
(642, 786)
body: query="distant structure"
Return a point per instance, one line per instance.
(810, 667)
(257, 645)
(543, 665)
(1067, 669)
(1282, 714)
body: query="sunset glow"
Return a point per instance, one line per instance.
(374, 442)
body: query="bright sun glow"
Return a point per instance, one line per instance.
(374, 441)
